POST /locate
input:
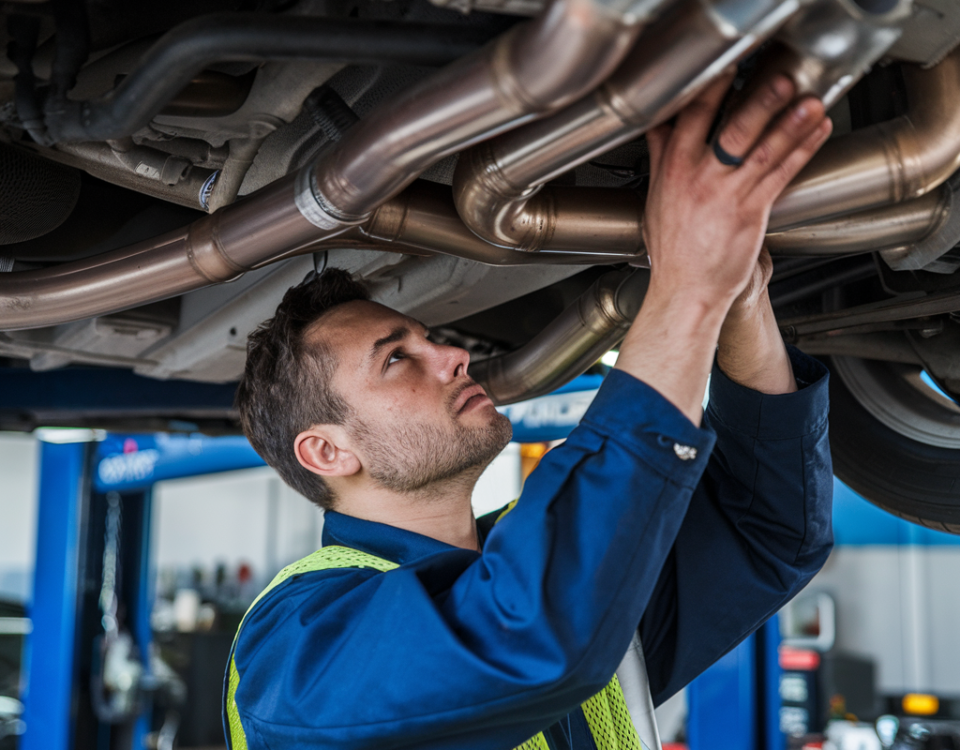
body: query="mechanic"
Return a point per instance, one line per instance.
(643, 535)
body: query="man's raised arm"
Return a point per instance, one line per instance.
(704, 228)
(757, 527)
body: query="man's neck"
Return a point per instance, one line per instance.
(441, 510)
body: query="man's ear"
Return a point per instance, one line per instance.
(323, 450)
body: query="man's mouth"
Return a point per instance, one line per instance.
(470, 397)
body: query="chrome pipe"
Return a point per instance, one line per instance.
(899, 225)
(596, 322)
(825, 48)
(424, 216)
(212, 250)
(531, 70)
(246, 235)
(497, 184)
(828, 47)
(886, 163)
(535, 67)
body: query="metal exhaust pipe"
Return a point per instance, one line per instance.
(897, 226)
(886, 163)
(570, 344)
(497, 185)
(533, 68)
(424, 216)
(422, 219)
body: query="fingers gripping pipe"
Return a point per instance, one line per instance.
(497, 185)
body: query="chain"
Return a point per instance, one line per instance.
(111, 561)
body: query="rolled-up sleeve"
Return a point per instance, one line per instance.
(757, 529)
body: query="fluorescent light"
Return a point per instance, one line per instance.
(69, 435)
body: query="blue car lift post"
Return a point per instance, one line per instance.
(732, 706)
(76, 483)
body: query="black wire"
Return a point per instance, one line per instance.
(328, 110)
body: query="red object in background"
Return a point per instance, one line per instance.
(798, 659)
(813, 745)
(130, 446)
(244, 573)
(674, 746)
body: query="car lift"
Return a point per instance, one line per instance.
(81, 547)
(93, 593)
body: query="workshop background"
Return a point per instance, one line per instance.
(867, 657)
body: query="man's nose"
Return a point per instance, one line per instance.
(453, 361)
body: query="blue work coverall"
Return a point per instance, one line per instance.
(697, 535)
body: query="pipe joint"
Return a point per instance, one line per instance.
(316, 209)
(567, 51)
(926, 252)
(206, 253)
(496, 185)
(891, 162)
(831, 44)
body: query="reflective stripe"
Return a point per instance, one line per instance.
(510, 506)
(238, 738)
(606, 712)
(325, 558)
(608, 719)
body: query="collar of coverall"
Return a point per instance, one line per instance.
(380, 539)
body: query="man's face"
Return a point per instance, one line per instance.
(416, 417)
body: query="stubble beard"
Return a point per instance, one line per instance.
(410, 457)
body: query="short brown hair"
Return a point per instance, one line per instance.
(285, 388)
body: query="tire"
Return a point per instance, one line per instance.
(896, 441)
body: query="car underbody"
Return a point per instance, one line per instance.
(481, 165)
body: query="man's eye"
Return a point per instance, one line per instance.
(395, 357)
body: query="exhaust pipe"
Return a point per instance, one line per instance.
(832, 44)
(424, 216)
(383, 153)
(886, 163)
(533, 68)
(898, 226)
(570, 344)
(825, 49)
(497, 185)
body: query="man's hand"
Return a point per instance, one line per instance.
(704, 228)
